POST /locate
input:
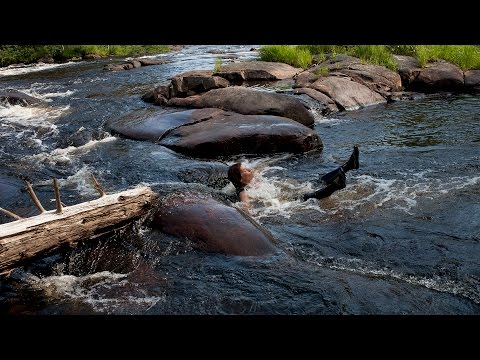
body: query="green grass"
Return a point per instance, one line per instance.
(464, 56)
(374, 54)
(291, 55)
(322, 71)
(217, 66)
(14, 54)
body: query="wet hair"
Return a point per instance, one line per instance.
(235, 176)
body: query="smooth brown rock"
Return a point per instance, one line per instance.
(472, 79)
(147, 126)
(346, 93)
(257, 71)
(212, 226)
(438, 76)
(249, 102)
(232, 134)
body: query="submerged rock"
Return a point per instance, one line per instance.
(15, 97)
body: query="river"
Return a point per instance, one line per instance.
(402, 238)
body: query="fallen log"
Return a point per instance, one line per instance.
(25, 238)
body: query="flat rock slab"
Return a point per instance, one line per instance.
(257, 71)
(152, 127)
(346, 93)
(232, 134)
(249, 102)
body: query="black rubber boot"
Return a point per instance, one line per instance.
(336, 183)
(353, 162)
(336, 177)
(322, 193)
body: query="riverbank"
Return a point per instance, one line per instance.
(49, 54)
(466, 57)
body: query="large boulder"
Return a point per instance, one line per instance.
(15, 97)
(232, 134)
(212, 226)
(146, 126)
(439, 75)
(472, 79)
(150, 62)
(257, 71)
(323, 103)
(249, 102)
(158, 95)
(408, 68)
(347, 94)
(375, 77)
(195, 82)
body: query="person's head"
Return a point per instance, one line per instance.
(239, 175)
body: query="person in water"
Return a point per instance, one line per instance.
(240, 176)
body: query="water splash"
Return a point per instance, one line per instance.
(470, 288)
(13, 70)
(67, 155)
(102, 291)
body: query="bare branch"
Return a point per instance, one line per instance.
(98, 186)
(57, 196)
(34, 197)
(9, 213)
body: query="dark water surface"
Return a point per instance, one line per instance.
(402, 238)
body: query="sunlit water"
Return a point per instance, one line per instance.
(402, 238)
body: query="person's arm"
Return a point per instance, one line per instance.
(244, 198)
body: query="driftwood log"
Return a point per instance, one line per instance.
(23, 239)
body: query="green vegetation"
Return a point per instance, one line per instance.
(374, 54)
(292, 55)
(217, 67)
(14, 54)
(465, 56)
(321, 71)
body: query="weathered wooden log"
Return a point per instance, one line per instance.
(23, 239)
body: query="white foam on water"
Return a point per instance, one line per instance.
(67, 155)
(94, 290)
(330, 121)
(148, 56)
(49, 95)
(30, 116)
(92, 80)
(25, 69)
(81, 182)
(438, 283)
(274, 196)
(401, 194)
(29, 124)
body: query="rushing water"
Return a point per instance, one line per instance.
(402, 238)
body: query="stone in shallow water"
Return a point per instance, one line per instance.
(212, 226)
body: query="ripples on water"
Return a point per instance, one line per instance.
(402, 238)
